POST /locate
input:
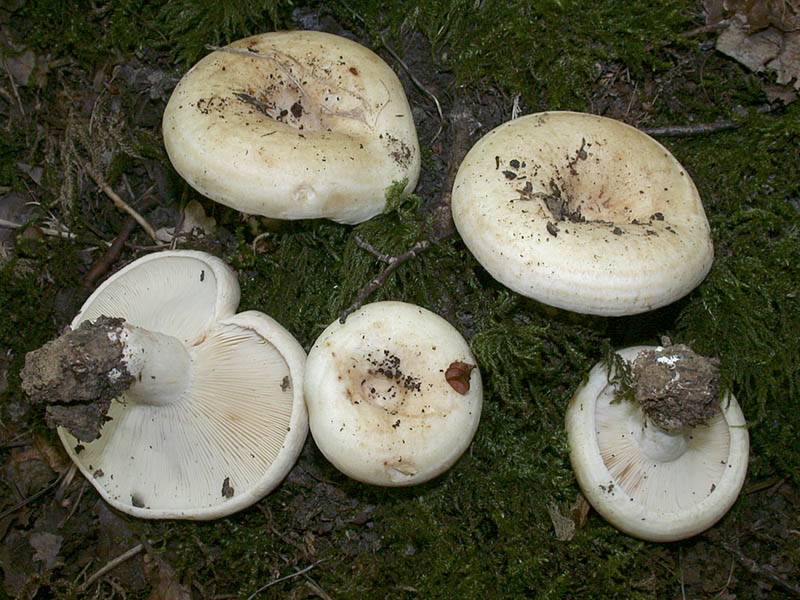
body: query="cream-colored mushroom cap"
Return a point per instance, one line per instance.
(216, 416)
(582, 212)
(652, 484)
(394, 397)
(293, 125)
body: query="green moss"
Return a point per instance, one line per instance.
(548, 52)
(38, 274)
(193, 25)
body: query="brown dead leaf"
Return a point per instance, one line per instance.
(753, 50)
(194, 222)
(763, 35)
(579, 510)
(47, 546)
(166, 585)
(787, 63)
(564, 526)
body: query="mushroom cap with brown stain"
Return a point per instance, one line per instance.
(382, 406)
(582, 212)
(293, 125)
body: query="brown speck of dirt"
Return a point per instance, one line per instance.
(354, 71)
(286, 383)
(227, 489)
(457, 375)
(677, 388)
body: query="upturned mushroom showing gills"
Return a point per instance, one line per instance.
(293, 125)
(170, 404)
(670, 462)
(583, 213)
(394, 395)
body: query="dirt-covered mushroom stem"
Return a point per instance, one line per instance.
(79, 373)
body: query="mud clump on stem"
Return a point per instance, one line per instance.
(77, 375)
(677, 388)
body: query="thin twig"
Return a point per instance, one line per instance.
(121, 204)
(258, 238)
(393, 263)
(44, 230)
(704, 29)
(74, 504)
(364, 245)
(13, 87)
(411, 75)
(697, 129)
(284, 578)
(460, 119)
(111, 565)
(35, 496)
(110, 255)
(762, 570)
(66, 481)
(418, 83)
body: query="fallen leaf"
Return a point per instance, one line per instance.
(194, 222)
(166, 585)
(763, 35)
(47, 546)
(755, 50)
(564, 526)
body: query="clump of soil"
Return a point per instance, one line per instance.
(677, 388)
(77, 375)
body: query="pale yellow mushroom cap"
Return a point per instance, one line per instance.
(394, 394)
(293, 125)
(582, 212)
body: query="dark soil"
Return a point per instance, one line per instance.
(83, 94)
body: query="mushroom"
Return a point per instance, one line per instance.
(394, 396)
(293, 125)
(668, 464)
(170, 404)
(582, 212)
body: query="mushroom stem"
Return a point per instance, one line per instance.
(78, 374)
(659, 444)
(159, 363)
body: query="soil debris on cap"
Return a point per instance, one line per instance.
(676, 387)
(77, 375)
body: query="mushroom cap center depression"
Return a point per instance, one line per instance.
(378, 380)
(592, 181)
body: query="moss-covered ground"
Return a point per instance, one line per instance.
(485, 529)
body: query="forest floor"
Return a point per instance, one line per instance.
(81, 99)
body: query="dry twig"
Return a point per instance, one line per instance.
(765, 571)
(121, 204)
(111, 565)
(284, 578)
(697, 129)
(44, 230)
(110, 255)
(461, 119)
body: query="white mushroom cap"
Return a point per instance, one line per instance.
(380, 405)
(238, 427)
(293, 125)
(582, 212)
(644, 481)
